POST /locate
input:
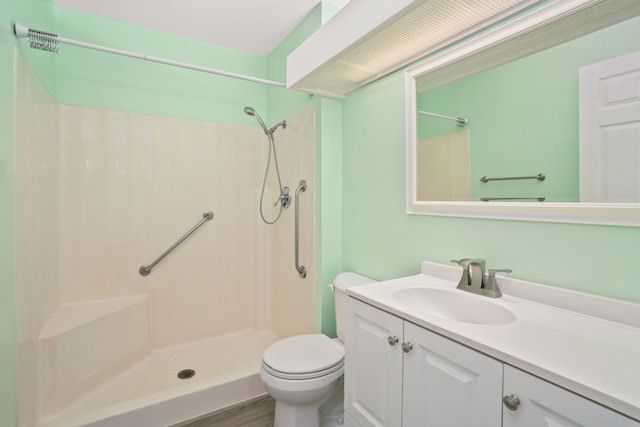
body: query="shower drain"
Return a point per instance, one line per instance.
(185, 374)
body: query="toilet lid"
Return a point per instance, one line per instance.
(303, 354)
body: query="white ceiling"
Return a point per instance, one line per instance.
(255, 26)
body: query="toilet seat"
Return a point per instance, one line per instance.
(303, 357)
(305, 376)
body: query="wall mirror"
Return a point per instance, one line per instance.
(530, 91)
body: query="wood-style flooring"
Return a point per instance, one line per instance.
(254, 413)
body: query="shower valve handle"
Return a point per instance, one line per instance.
(284, 198)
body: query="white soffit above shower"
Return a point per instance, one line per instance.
(254, 26)
(368, 39)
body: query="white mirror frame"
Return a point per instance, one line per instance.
(518, 38)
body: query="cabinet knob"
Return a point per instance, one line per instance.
(511, 402)
(393, 340)
(407, 347)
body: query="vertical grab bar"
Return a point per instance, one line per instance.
(302, 271)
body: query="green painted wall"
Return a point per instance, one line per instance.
(524, 115)
(102, 80)
(328, 207)
(382, 241)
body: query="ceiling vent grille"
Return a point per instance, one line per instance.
(325, 64)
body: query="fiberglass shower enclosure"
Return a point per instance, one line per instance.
(101, 192)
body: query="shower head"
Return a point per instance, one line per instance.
(251, 112)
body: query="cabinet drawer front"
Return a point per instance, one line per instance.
(544, 404)
(373, 366)
(447, 384)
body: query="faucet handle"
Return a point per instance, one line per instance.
(493, 271)
(492, 285)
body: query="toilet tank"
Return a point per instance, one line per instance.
(339, 286)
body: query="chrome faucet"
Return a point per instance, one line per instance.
(472, 272)
(473, 277)
(476, 272)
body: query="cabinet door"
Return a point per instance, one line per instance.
(544, 404)
(349, 422)
(448, 384)
(373, 366)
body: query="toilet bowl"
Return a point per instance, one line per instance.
(303, 373)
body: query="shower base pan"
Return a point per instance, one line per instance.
(174, 384)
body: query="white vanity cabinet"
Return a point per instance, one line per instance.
(398, 374)
(373, 366)
(539, 403)
(448, 384)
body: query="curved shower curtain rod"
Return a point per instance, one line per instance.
(48, 42)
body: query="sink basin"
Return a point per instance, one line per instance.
(453, 305)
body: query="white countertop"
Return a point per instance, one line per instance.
(584, 343)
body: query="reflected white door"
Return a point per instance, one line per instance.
(610, 130)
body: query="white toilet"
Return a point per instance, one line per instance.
(303, 373)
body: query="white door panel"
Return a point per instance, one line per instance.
(610, 130)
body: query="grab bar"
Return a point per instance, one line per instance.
(145, 269)
(539, 177)
(302, 271)
(493, 199)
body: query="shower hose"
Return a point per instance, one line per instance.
(272, 148)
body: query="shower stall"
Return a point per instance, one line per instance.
(101, 192)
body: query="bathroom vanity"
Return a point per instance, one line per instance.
(421, 352)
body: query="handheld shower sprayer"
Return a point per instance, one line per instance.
(284, 199)
(251, 112)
